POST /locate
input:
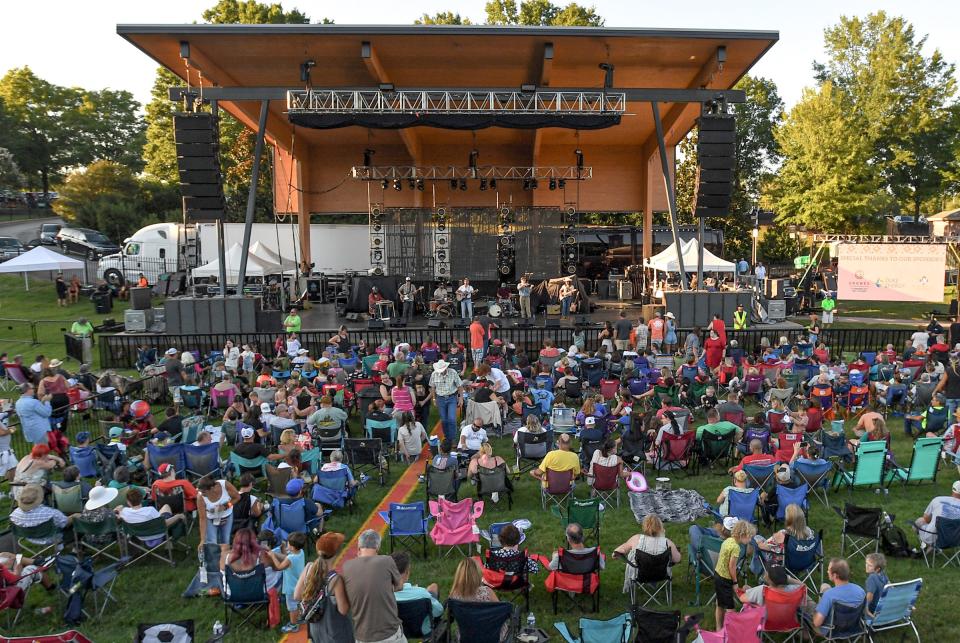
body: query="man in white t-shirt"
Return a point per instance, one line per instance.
(939, 507)
(919, 340)
(472, 436)
(135, 513)
(501, 384)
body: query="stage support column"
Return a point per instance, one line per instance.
(303, 219)
(221, 252)
(668, 186)
(700, 225)
(252, 193)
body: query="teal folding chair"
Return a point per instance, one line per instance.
(614, 630)
(702, 563)
(895, 608)
(257, 465)
(923, 463)
(868, 472)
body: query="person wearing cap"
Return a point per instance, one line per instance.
(34, 414)
(940, 506)
(81, 328)
(292, 322)
(447, 389)
(740, 318)
(319, 576)
(295, 490)
(567, 294)
(31, 512)
(251, 450)
(96, 511)
(406, 293)
(670, 333)
(175, 373)
(169, 485)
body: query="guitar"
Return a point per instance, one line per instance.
(410, 296)
(461, 296)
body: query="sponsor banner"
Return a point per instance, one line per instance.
(891, 271)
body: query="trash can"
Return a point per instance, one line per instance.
(102, 302)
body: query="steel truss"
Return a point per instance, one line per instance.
(483, 101)
(443, 173)
(884, 238)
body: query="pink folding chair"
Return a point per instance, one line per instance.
(15, 373)
(221, 399)
(456, 524)
(744, 626)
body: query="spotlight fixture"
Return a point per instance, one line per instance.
(552, 184)
(397, 185)
(562, 184)
(453, 184)
(411, 183)
(493, 184)
(384, 184)
(420, 184)
(579, 154)
(463, 185)
(305, 68)
(483, 185)
(607, 75)
(528, 88)
(368, 157)
(526, 184)
(386, 87)
(474, 155)
(533, 184)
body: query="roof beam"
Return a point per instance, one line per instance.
(378, 73)
(546, 67)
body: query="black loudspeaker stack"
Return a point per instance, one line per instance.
(569, 250)
(204, 315)
(716, 159)
(198, 160)
(441, 245)
(375, 324)
(378, 241)
(140, 298)
(506, 245)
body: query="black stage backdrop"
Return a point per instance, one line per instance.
(548, 292)
(361, 287)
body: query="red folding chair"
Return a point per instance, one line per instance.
(676, 451)
(783, 611)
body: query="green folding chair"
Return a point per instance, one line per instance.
(702, 564)
(240, 463)
(313, 459)
(151, 538)
(586, 513)
(870, 460)
(40, 540)
(923, 463)
(69, 500)
(97, 538)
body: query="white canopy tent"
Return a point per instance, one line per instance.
(38, 260)
(666, 261)
(256, 266)
(265, 252)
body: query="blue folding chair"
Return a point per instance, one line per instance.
(384, 430)
(171, 453)
(803, 557)
(845, 622)
(481, 622)
(791, 496)
(895, 607)
(614, 630)
(741, 505)
(759, 476)
(202, 460)
(947, 538)
(85, 459)
(333, 489)
(289, 517)
(816, 477)
(348, 364)
(406, 524)
(245, 594)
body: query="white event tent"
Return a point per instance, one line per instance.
(39, 259)
(257, 266)
(666, 260)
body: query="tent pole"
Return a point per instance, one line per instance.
(26, 283)
(668, 186)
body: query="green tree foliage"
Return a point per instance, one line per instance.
(49, 128)
(685, 176)
(11, 178)
(777, 246)
(541, 13)
(159, 151)
(105, 196)
(250, 12)
(442, 18)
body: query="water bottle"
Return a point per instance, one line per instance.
(531, 621)
(218, 628)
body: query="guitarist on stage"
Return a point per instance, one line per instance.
(465, 297)
(407, 293)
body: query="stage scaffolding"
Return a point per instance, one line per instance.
(473, 236)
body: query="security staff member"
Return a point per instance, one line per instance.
(740, 318)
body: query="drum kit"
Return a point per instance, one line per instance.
(496, 309)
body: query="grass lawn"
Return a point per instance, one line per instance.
(894, 309)
(18, 308)
(150, 591)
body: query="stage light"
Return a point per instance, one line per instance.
(533, 184)
(411, 183)
(368, 157)
(528, 88)
(463, 185)
(397, 185)
(386, 87)
(493, 184)
(420, 184)
(579, 154)
(305, 68)
(562, 184)
(474, 155)
(607, 75)
(483, 185)
(526, 184)
(552, 184)
(384, 184)
(453, 184)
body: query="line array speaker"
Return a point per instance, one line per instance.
(378, 240)
(196, 137)
(506, 245)
(441, 244)
(569, 249)
(716, 159)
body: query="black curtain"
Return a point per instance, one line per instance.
(361, 287)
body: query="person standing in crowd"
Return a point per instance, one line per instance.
(231, 356)
(407, 292)
(370, 581)
(61, 290)
(447, 387)
(465, 297)
(949, 386)
(743, 267)
(319, 578)
(175, 373)
(828, 308)
(73, 292)
(34, 414)
(81, 328)
(524, 290)
(622, 328)
(760, 272)
(478, 336)
(292, 322)
(657, 328)
(740, 318)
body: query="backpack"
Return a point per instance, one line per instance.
(313, 610)
(893, 542)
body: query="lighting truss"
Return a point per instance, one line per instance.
(884, 238)
(480, 101)
(450, 173)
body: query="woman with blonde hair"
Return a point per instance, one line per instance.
(653, 540)
(739, 486)
(484, 458)
(794, 526)
(288, 440)
(468, 584)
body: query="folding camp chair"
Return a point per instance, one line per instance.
(150, 537)
(871, 459)
(277, 480)
(68, 500)
(192, 397)
(753, 386)
(614, 630)
(803, 557)
(743, 505)
(406, 524)
(531, 449)
(587, 449)
(366, 455)
(845, 622)
(784, 611)
(947, 532)
(328, 436)
(861, 528)
(385, 431)
(109, 457)
(13, 597)
(676, 452)
(558, 489)
(759, 476)
(40, 540)
(714, 449)
(191, 428)
(854, 401)
(895, 608)
(85, 459)
(78, 576)
(562, 419)
(702, 564)
(254, 465)
(749, 435)
(834, 442)
(577, 574)
(606, 484)
(494, 481)
(476, 622)
(777, 421)
(442, 482)
(333, 489)
(413, 613)
(245, 594)
(87, 536)
(508, 572)
(652, 577)
(662, 627)
(587, 513)
(790, 496)
(816, 477)
(170, 454)
(742, 626)
(202, 461)
(455, 525)
(923, 463)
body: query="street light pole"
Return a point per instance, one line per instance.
(756, 234)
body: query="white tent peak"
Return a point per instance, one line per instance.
(39, 259)
(266, 252)
(666, 260)
(256, 266)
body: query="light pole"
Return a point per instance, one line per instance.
(756, 234)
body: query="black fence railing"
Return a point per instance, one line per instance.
(121, 351)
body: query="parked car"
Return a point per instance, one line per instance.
(10, 248)
(83, 241)
(48, 233)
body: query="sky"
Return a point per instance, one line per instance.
(75, 43)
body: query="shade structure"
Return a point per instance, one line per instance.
(267, 253)
(40, 259)
(667, 261)
(256, 266)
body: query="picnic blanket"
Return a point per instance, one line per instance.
(676, 505)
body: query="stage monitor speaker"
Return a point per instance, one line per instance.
(137, 321)
(461, 322)
(398, 322)
(553, 309)
(551, 322)
(196, 138)
(171, 314)
(582, 321)
(140, 298)
(188, 316)
(435, 323)
(716, 159)
(624, 290)
(375, 324)
(776, 309)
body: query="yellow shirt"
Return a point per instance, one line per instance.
(561, 461)
(729, 550)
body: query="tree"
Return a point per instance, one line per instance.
(899, 97)
(777, 246)
(10, 176)
(159, 150)
(541, 13)
(250, 12)
(442, 18)
(685, 176)
(105, 196)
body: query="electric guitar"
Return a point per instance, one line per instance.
(410, 296)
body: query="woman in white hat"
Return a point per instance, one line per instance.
(670, 334)
(98, 510)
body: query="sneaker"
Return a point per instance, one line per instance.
(495, 496)
(290, 628)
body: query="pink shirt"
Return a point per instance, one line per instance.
(402, 398)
